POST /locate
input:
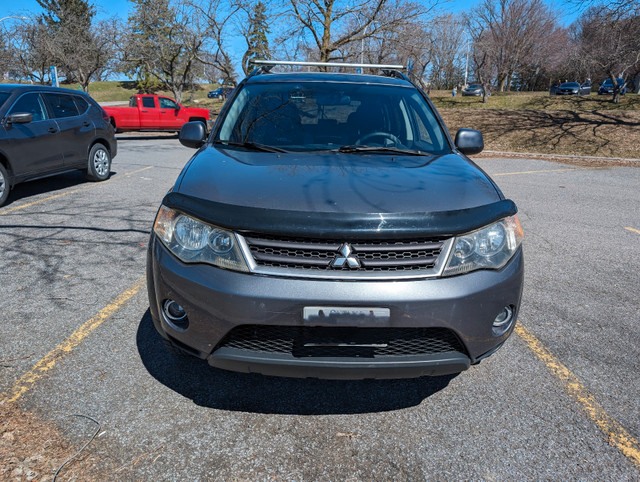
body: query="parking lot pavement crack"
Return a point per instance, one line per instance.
(40, 369)
(616, 434)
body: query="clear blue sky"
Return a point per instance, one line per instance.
(26, 8)
(108, 8)
(121, 8)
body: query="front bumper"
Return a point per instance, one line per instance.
(217, 301)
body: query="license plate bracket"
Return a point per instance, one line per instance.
(346, 314)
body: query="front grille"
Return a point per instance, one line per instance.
(303, 341)
(366, 256)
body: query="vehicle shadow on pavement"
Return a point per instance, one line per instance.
(224, 390)
(48, 185)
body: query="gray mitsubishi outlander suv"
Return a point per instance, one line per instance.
(329, 227)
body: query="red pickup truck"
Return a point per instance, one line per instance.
(154, 113)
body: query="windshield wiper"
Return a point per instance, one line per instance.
(396, 150)
(251, 145)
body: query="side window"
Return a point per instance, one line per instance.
(81, 104)
(31, 104)
(61, 105)
(423, 132)
(167, 103)
(428, 134)
(148, 102)
(133, 102)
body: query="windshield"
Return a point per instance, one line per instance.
(571, 84)
(475, 86)
(307, 116)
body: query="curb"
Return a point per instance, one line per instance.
(560, 156)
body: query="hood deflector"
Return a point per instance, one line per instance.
(340, 225)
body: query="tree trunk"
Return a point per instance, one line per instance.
(325, 48)
(502, 80)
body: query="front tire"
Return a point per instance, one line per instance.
(99, 163)
(4, 185)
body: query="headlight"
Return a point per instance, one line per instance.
(488, 248)
(193, 241)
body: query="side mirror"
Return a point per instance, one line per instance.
(19, 118)
(469, 141)
(193, 134)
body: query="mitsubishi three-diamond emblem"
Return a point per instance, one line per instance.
(346, 256)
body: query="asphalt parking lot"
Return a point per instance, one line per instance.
(561, 399)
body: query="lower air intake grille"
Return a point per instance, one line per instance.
(343, 341)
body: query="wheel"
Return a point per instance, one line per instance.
(99, 164)
(4, 185)
(380, 134)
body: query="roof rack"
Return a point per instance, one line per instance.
(265, 66)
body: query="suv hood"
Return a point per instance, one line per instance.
(333, 182)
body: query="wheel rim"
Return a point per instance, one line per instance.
(101, 162)
(2, 185)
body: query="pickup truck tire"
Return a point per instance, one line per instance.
(99, 163)
(204, 121)
(113, 123)
(4, 185)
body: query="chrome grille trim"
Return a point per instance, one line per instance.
(345, 274)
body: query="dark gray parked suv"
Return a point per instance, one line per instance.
(47, 130)
(330, 227)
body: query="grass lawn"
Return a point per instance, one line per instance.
(536, 122)
(113, 91)
(536, 101)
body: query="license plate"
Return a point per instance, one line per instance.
(337, 314)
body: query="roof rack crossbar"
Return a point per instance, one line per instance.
(273, 63)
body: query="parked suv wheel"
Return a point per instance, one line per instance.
(99, 166)
(4, 185)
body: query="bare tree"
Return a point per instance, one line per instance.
(27, 47)
(83, 58)
(448, 43)
(217, 16)
(510, 31)
(483, 69)
(609, 41)
(332, 25)
(409, 42)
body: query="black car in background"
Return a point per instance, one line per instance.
(607, 87)
(48, 130)
(220, 92)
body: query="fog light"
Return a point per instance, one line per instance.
(175, 315)
(503, 321)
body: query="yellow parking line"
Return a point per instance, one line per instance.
(545, 170)
(49, 198)
(26, 381)
(616, 434)
(633, 230)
